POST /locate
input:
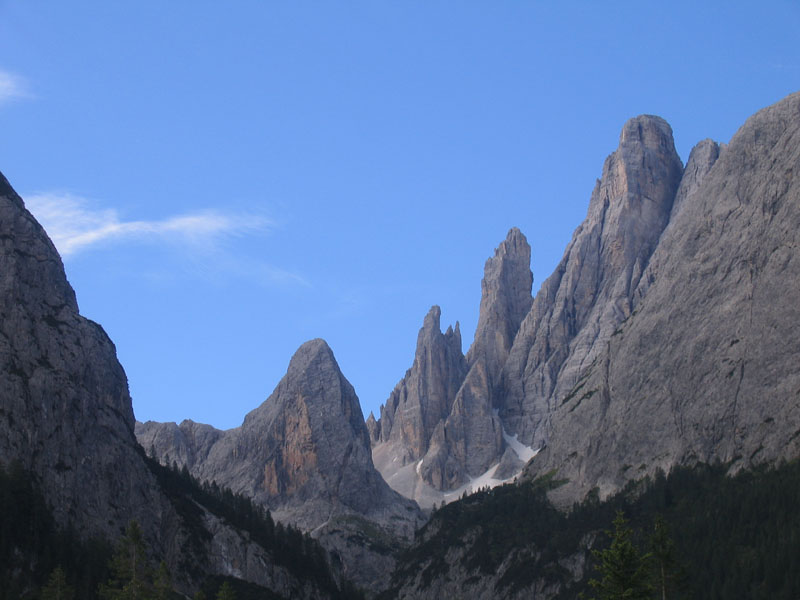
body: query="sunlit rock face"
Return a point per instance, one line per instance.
(580, 306)
(705, 367)
(439, 428)
(305, 454)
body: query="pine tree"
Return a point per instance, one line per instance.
(57, 587)
(131, 574)
(226, 592)
(624, 570)
(163, 582)
(668, 574)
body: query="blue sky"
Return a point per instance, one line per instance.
(225, 182)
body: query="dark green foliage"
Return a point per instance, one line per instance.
(300, 554)
(32, 545)
(241, 590)
(131, 574)
(226, 592)
(669, 576)
(624, 570)
(57, 587)
(718, 537)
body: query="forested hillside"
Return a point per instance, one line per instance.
(732, 536)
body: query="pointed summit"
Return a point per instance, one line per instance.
(505, 300)
(593, 288)
(706, 369)
(305, 454)
(424, 396)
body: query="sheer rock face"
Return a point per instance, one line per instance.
(425, 396)
(441, 415)
(374, 429)
(66, 413)
(66, 416)
(581, 305)
(304, 453)
(505, 301)
(706, 369)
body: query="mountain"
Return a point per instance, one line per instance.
(439, 434)
(66, 420)
(592, 290)
(656, 374)
(704, 368)
(305, 454)
(528, 353)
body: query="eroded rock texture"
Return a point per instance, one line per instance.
(705, 368)
(66, 416)
(592, 291)
(304, 453)
(439, 427)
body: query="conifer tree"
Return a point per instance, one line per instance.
(624, 570)
(57, 587)
(131, 574)
(163, 582)
(668, 574)
(226, 592)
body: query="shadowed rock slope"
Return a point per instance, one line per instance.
(305, 454)
(705, 368)
(66, 416)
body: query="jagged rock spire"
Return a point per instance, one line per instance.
(425, 395)
(505, 300)
(592, 290)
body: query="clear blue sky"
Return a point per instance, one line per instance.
(228, 180)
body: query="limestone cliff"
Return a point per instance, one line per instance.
(705, 368)
(439, 427)
(66, 416)
(304, 453)
(581, 305)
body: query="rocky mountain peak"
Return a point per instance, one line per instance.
(593, 288)
(649, 131)
(424, 396)
(305, 453)
(505, 300)
(706, 369)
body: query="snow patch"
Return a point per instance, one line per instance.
(419, 465)
(524, 452)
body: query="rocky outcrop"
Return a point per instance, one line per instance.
(66, 417)
(66, 413)
(592, 291)
(505, 301)
(441, 418)
(424, 397)
(705, 369)
(305, 454)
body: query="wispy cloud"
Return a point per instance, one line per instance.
(12, 87)
(74, 226)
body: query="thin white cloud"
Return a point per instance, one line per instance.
(12, 87)
(75, 227)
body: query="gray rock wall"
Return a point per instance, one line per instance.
(706, 367)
